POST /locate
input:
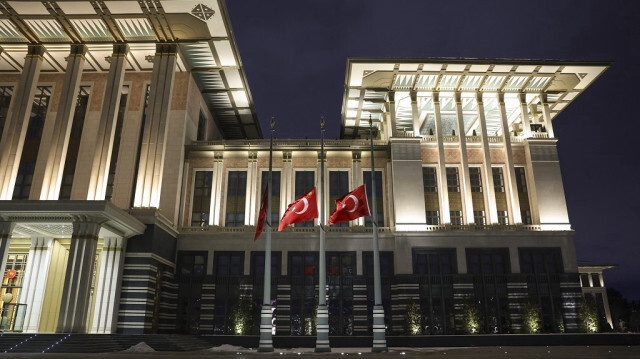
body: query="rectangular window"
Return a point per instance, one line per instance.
(503, 219)
(228, 270)
(379, 210)
(453, 181)
(488, 261)
(275, 195)
(201, 204)
(498, 179)
(434, 261)
(433, 218)
(526, 216)
(338, 187)
(32, 143)
(595, 278)
(540, 260)
(523, 197)
(82, 101)
(584, 278)
(305, 181)
(115, 150)
(429, 179)
(6, 92)
(476, 179)
(479, 218)
(236, 192)
(456, 217)
(521, 179)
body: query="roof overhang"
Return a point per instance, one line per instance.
(201, 28)
(370, 82)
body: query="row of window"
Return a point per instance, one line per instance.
(304, 181)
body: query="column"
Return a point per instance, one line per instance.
(414, 113)
(442, 168)
(513, 202)
(252, 190)
(6, 228)
(392, 111)
(15, 128)
(107, 293)
(286, 194)
(524, 115)
(492, 211)
(216, 186)
(467, 202)
(77, 281)
(152, 152)
(107, 126)
(49, 182)
(35, 281)
(546, 115)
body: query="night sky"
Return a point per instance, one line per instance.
(294, 53)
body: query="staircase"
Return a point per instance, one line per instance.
(95, 343)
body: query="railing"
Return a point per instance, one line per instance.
(362, 229)
(540, 135)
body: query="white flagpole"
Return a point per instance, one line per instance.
(322, 317)
(266, 342)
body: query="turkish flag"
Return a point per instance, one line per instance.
(351, 206)
(262, 214)
(303, 209)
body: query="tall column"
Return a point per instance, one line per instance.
(6, 228)
(524, 114)
(35, 281)
(414, 113)
(252, 191)
(546, 114)
(15, 128)
(152, 152)
(217, 189)
(467, 202)
(107, 294)
(49, 182)
(512, 187)
(492, 213)
(445, 216)
(107, 126)
(286, 196)
(77, 280)
(392, 111)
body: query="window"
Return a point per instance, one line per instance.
(338, 187)
(526, 216)
(434, 261)
(305, 181)
(202, 127)
(456, 217)
(192, 267)
(228, 271)
(523, 197)
(32, 143)
(453, 181)
(6, 93)
(540, 260)
(73, 147)
(475, 179)
(584, 278)
(275, 195)
(115, 150)
(304, 276)
(236, 191)
(433, 218)
(521, 179)
(498, 179)
(595, 278)
(201, 204)
(503, 219)
(479, 218)
(488, 261)
(379, 210)
(429, 180)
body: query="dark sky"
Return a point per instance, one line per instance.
(295, 51)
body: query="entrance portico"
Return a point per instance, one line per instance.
(62, 264)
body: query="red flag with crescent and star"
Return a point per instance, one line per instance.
(303, 209)
(351, 206)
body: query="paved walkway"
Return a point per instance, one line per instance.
(563, 352)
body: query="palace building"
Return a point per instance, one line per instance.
(132, 165)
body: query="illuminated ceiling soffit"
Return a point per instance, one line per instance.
(369, 83)
(201, 28)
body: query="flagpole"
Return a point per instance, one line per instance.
(322, 315)
(266, 342)
(379, 340)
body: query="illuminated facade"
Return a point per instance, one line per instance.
(132, 166)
